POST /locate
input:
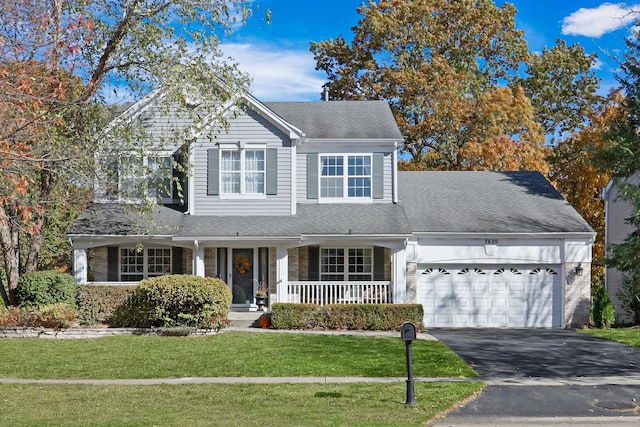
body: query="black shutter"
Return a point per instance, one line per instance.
(312, 176)
(113, 264)
(314, 263)
(377, 176)
(378, 263)
(176, 260)
(213, 174)
(272, 171)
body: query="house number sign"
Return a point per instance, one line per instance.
(490, 241)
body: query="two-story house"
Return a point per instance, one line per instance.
(306, 197)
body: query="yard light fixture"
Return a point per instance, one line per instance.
(579, 270)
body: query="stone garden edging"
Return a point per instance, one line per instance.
(76, 333)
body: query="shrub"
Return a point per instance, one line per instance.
(602, 311)
(56, 316)
(629, 296)
(96, 304)
(46, 287)
(176, 300)
(386, 317)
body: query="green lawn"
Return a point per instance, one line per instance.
(630, 336)
(228, 405)
(229, 354)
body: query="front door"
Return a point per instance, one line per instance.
(242, 268)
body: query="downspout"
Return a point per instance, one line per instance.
(394, 166)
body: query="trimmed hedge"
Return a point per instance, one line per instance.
(378, 317)
(96, 304)
(45, 288)
(175, 300)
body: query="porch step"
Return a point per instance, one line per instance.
(245, 319)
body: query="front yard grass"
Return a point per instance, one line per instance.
(228, 354)
(228, 405)
(629, 336)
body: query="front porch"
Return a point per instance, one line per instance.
(313, 274)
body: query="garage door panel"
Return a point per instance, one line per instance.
(481, 296)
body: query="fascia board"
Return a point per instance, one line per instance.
(564, 235)
(294, 133)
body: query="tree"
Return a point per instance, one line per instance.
(562, 88)
(57, 60)
(438, 63)
(622, 156)
(576, 173)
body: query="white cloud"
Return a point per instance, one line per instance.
(598, 21)
(278, 74)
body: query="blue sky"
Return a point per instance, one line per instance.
(278, 59)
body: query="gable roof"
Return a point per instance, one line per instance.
(486, 202)
(340, 119)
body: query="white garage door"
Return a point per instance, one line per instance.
(481, 296)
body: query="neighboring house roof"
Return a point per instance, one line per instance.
(112, 219)
(340, 119)
(486, 202)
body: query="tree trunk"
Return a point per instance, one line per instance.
(9, 243)
(47, 181)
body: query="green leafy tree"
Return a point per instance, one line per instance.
(58, 58)
(622, 156)
(438, 63)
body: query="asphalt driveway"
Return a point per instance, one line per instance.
(546, 377)
(540, 353)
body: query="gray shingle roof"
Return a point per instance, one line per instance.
(340, 119)
(342, 219)
(486, 202)
(430, 202)
(113, 219)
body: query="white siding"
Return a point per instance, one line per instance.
(251, 128)
(301, 170)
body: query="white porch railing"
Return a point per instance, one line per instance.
(324, 293)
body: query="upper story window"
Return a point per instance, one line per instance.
(246, 171)
(352, 181)
(242, 171)
(135, 177)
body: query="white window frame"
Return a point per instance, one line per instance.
(346, 269)
(144, 254)
(243, 172)
(344, 180)
(130, 179)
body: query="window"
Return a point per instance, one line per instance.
(160, 178)
(351, 264)
(356, 177)
(242, 172)
(138, 264)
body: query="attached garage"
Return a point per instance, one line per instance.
(490, 296)
(495, 249)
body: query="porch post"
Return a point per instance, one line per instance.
(80, 266)
(399, 275)
(198, 259)
(282, 275)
